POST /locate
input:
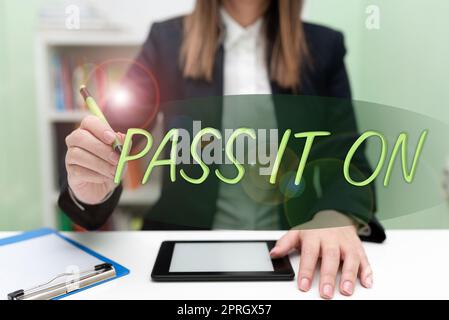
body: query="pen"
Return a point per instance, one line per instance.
(95, 110)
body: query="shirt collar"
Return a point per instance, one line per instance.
(234, 31)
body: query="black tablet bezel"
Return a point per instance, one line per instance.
(282, 268)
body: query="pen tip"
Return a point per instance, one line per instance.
(118, 149)
(84, 92)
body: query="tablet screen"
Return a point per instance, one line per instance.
(221, 257)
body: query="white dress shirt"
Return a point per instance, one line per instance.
(245, 69)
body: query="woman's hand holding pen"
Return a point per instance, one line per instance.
(90, 161)
(334, 246)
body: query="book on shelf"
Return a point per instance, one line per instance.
(57, 80)
(70, 71)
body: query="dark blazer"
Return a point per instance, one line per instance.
(186, 206)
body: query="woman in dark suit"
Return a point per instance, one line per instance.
(232, 47)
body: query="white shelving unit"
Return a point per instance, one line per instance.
(90, 42)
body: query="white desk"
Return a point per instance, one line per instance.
(411, 264)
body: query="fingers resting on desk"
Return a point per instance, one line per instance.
(336, 248)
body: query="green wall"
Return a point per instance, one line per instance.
(404, 64)
(20, 197)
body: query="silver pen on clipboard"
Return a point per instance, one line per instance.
(48, 290)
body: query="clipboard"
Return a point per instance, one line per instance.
(45, 265)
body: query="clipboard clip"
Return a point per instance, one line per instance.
(49, 290)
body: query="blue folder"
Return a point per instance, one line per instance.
(119, 269)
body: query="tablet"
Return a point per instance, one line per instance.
(220, 261)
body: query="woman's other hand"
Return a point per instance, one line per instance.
(334, 246)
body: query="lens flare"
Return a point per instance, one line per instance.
(126, 91)
(121, 97)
